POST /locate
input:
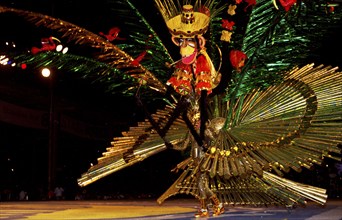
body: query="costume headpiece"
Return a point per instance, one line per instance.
(189, 23)
(185, 22)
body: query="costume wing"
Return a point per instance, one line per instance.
(276, 41)
(287, 108)
(290, 126)
(138, 143)
(274, 118)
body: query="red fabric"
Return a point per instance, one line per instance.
(184, 87)
(173, 81)
(287, 4)
(202, 65)
(203, 86)
(182, 80)
(183, 66)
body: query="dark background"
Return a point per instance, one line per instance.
(24, 151)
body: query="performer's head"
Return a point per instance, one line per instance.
(187, 30)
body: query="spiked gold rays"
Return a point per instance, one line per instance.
(171, 8)
(292, 125)
(137, 144)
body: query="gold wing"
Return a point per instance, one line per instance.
(288, 126)
(137, 144)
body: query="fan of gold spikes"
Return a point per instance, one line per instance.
(293, 125)
(137, 144)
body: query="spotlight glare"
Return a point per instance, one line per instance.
(46, 72)
(65, 50)
(59, 48)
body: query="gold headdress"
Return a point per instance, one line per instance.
(188, 21)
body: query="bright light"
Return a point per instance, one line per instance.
(46, 72)
(59, 48)
(3, 60)
(65, 50)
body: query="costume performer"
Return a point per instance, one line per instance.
(251, 137)
(195, 75)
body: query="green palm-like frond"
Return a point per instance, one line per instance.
(141, 37)
(102, 51)
(276, 41)
(84, 68)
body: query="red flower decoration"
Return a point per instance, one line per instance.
(250, 4)
(47, 45)
(331, 8)
(139, 58)
(238, 1)
(113, 34)
(228, 24)
(287, 4)
(237, 59)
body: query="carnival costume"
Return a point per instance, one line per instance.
(273, 117)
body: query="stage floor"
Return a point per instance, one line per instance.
(149, 209)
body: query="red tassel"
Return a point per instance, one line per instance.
(202, 65)
(184, 87)
(203, 86)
